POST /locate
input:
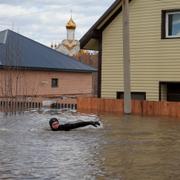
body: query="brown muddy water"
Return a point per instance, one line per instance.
(124, 147)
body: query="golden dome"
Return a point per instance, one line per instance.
(71, 24)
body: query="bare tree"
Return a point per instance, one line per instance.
(13, 80)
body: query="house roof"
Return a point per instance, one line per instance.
(19, 51)
(91, 39)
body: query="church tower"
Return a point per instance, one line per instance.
(69, 46)
(70, 27)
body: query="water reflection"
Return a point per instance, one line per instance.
(29, 150)
(127, 147)
(142, 148)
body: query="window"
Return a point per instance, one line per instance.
(134, 95)
(169, 91)
(171, 24)
(54, 82)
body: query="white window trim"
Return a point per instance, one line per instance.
(167, 24)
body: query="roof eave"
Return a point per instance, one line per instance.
(47, 69)
(95, 32)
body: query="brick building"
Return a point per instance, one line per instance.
(28, 68)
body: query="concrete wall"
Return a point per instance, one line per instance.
(38, 83)
(152, 59)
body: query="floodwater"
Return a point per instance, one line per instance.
(124, 147)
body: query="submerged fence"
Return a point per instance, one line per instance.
(97, 105)
(21, 104)
(71, 106)
(65, 103)
(13, 106)
(149, 108)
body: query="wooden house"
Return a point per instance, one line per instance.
(154, 49)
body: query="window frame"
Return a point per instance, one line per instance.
(120, 95)
(165, 24)
(57, 82)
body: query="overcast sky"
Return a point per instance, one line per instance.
(44, 20)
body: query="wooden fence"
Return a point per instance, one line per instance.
(149, 108)
(65, 103)
(64, 106)
(21, 104)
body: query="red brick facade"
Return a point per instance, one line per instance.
(39, 83)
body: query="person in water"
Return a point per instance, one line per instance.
(56, 126)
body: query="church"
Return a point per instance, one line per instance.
(68, 46)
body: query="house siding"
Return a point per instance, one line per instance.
(153, 59)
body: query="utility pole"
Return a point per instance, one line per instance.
(126, 58)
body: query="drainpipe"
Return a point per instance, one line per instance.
(126, 57)
(99, 68)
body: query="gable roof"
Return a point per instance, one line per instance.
(91, 39)
(19, 51)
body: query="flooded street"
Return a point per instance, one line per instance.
(128, 147)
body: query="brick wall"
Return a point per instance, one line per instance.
(38, 83)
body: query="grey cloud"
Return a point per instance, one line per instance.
(45, 20)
